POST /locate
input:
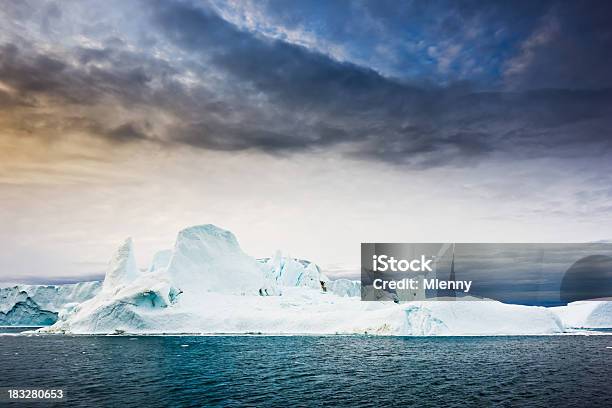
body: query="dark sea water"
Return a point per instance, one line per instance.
(546, 371)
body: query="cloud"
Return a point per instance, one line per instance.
(542, 37)
(202, 81)
(396, 122)
(128, 132)
(568, 48)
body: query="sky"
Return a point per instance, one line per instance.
(307, 126)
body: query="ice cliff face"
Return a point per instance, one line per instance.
(293, 272)
(27, 313)
(590, 314)
(39, 305)
(345, 287)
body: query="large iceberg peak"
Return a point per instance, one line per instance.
(203, 243)
(209, 258)
(122, 267)
(209, 235)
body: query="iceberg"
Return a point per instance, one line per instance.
(122, 267)
(208, 259)
(161, 259)
(208, 285)
(345, 287)
(293, 272)
(126, 297)
(586, 314)
(40, 305)
(27, 313)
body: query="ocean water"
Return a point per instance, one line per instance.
(152, 371)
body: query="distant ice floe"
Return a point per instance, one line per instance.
(591, 314)
(41, 305)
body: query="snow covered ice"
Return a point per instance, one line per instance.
(207, 284)
(209, 259)
(345, 287)
(287, 271)
(591, 314)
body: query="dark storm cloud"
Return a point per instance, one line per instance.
(128, 132)
(569, 49)
(275, 96)
(37, 74)
(395, 121)
(279, 69)
(46, 88)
